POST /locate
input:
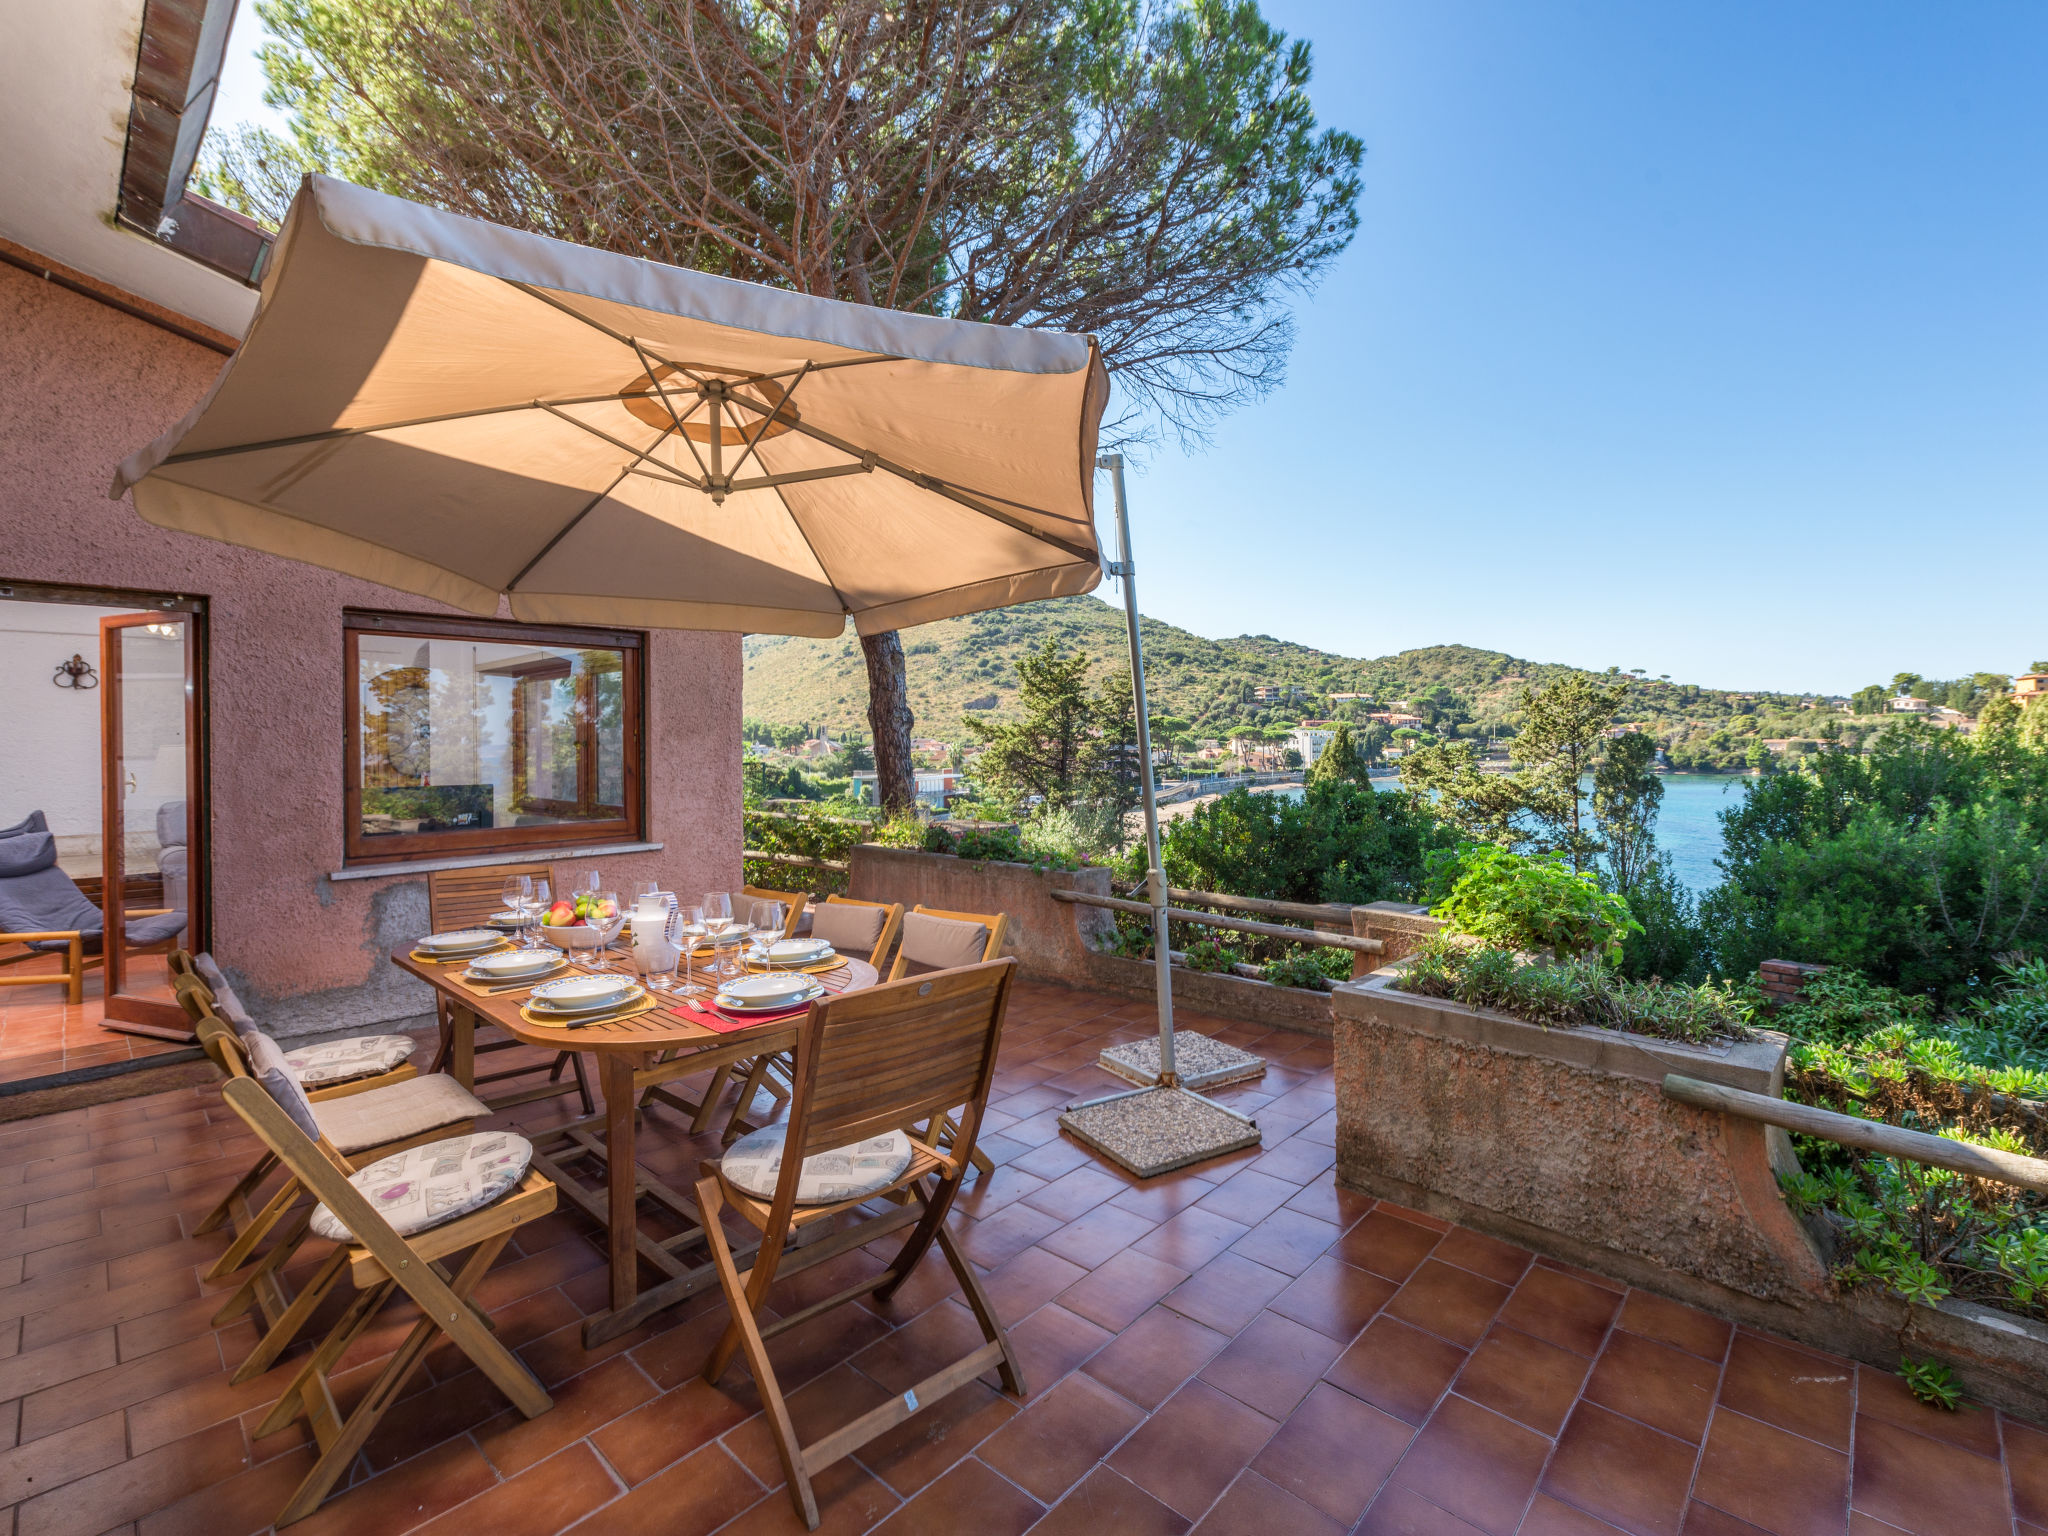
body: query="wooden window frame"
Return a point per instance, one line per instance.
(414, 847)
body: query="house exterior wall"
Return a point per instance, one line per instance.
(82, 385)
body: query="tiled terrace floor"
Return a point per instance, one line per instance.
(1240, 1347)
(42, 1035)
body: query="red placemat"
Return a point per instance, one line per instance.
(720, 1022)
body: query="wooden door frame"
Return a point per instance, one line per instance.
(142, 1015)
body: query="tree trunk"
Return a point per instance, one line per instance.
(890, 719)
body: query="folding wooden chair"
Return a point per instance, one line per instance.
(862, 929)
(868, 1063)
(465, 898)
(934, 939)
(436, 1110)
(381, 1260)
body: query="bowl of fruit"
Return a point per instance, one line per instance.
(581, 922)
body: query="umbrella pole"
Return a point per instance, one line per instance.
(1155, 876)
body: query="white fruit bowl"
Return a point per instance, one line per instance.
(584, 937)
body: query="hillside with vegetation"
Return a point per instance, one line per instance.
(968, 665)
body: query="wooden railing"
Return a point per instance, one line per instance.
(1870, 1135)
(1235, 924)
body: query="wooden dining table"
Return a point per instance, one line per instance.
(647, 1051)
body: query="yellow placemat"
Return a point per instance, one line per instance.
(506, 986)
(815, 968)
(646, 1004)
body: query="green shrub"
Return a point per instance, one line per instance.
(1302, 971)
(1208, 955)
(1515, 901)
(1573, 992)
(1000, 843)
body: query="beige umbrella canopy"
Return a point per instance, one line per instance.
(461, 411)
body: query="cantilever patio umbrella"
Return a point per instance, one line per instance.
(469, 412)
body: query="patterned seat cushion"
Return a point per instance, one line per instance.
(343, 1061)
(754, 1163)
(410, 1108)
(423, 1187)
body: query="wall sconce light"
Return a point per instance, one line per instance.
(77, 673)
(163, 631)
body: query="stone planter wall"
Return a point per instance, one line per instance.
(1052, 940)
(1562, 1140)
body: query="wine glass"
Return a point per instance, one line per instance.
(543, 898)
(517, 894)
(768, 918)
(689, 931)
(603, 959)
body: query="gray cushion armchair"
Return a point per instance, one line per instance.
(171, 854)
(41, 909)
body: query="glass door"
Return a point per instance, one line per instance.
(153, 791)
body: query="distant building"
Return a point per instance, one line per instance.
(1350, 698)
(2029, 685)
(1274, 693)
(1309, 741)
(1906, 704)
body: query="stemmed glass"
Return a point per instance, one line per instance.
(718, 922)
(602, 960)
(769, 918)
(517, 894)
(691, 928)
(542, 900)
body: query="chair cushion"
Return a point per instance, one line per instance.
(170, 825)
(225, 1003)
(848, 926)
(424, 1187)
(941, 943)
(410, 1108)
(754, 1163)
(34, 821)
(343, 1061)
(26, 853)
(267, 1066)
(155, 928)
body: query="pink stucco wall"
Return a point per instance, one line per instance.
(81, 385)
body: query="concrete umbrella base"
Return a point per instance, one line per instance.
(1158, 1130)
(1203, 1063)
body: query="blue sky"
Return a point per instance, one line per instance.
(1710, 339)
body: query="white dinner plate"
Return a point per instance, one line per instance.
(460, 941)
(798, 951)
(580, 994)
(760, 994)
(513, 962)
(633, 993)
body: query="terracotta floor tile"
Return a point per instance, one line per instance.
(1252, 1506)
(1674, 1323)
(1050, 1446)
(1053, 1341)
(1398, 1368)
(57, 1459)
(1386, 1244)
(1148, 1361)
(1272, 1364)
(1549, 1517)
(1663, 1387)
(1805, 1393)
(1287, 1241)
(1162, 1197)
(2026, 1463)
(996, 1239)
(1452, 1303)
(987, 1193)
(1121, 1289)
(1249, 1197)
(832, 1401)
(1334, 1298)
(927, 1444)
(1090, 1239)
(582, 1404)
(1334, 1452)
(1532, 1382)
(1024, 1284)
(851, 1500)
(549, 1496)
(1073, 1193)
(696, 1495)
(1402, 1511)
(1227, 1292)
(1626, 1473)
(971, 1497)
(1757, 1472)
(920, 1348)
(1705, 1520)
(54, 1365)
(1326, 1200)
(242, 1505)
(1561, 1309)
(1188, 1452)
(642, 1442)
(1296, 1161)
(410, 1494)
(1488, 1256)
(1881, 1395)
(1475, 1464)
(1931, 1487)
(1106, 1502)
(1191, 1238)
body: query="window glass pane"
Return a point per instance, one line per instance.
(462, 735)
